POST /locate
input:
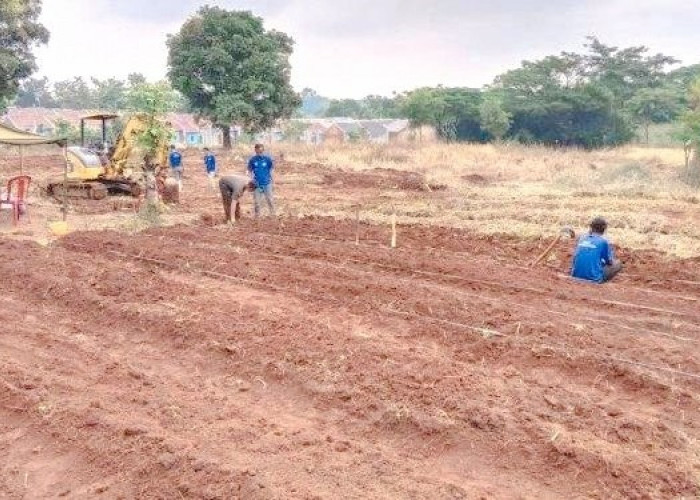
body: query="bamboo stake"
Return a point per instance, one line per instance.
(393, 229)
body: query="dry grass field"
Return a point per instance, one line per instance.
(526, 191)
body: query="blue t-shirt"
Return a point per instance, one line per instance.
(261, 167)
(175, 159)
(592, 253)
(210, 162)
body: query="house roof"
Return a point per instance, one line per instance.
(184, 122)
(30, 119)
(397, 125)
(349, 127)
(375, 128)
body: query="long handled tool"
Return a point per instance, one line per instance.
(565, 231)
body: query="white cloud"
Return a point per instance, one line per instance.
(353, 48)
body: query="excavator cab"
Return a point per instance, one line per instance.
(102, 117)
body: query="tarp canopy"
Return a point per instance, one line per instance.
(16, 137)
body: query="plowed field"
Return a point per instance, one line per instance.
(278, 359)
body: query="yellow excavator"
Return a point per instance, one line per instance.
(121, 169)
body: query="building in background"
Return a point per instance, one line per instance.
(347, 130)
(187, 130)
(191, 132)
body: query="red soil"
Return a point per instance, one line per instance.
(281, 360)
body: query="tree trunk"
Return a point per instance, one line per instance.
(646, 131)
(226, 130)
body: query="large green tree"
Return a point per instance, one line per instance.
(233, 70)
(20, 32)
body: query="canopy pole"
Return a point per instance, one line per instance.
(21, 160)
(64, 209)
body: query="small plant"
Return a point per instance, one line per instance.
(150, 215)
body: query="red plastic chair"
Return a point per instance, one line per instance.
(15, 198)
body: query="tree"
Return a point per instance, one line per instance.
(135, 79)
(74, 94)
(312, 104)
(555, 101)
(35, 93)
(423, 106)
(494, 119)
(65, 129)
(109, 94)
(691, 130)
(20, 31)
(454, 112)
(656, 105)
(233, 70)
(344, 108)
(378, 107)
(624, 71)
(140, 97)
(369, 108)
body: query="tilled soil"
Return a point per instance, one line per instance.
(279, 359)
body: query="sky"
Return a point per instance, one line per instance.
(354, 48)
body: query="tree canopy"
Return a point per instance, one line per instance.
(110, 94)
(20, 31)
(592, 99)
(233, 70)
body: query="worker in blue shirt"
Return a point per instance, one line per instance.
(210, 165)
(175, 160)
(594, 259)
(260, 168)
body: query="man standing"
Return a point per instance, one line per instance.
(594, 259)
(232, 188)
(175, 160)
(260, 168)
(210, 165)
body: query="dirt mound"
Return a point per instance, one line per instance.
(379, 178)
(475, 179)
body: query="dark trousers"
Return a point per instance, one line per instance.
(227, 199)
(611, 270)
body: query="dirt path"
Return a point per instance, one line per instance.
(280, 360)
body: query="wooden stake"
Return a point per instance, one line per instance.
(357, 226)
(65, 183)
(393, 229)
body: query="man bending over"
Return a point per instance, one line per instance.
(232, 188)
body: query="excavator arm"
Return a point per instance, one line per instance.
(123, 162)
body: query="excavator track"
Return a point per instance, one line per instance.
(81, 190)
